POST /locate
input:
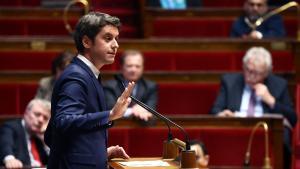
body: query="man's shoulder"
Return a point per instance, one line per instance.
(110, 83)
(149, 83)
(276, 79)
(15, 123)
(232, 77)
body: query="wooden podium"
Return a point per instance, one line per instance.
(115, 165)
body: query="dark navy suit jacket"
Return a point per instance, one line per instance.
(270, 28)
(13, 142)
(77, 132)
(231, 91)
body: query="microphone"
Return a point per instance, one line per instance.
(166, 120)
(266, 164)
(188, 157)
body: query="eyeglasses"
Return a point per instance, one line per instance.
(253, 72)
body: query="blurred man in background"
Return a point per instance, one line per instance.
(132, 66)
(244, 27)
(255, 92)
(22, 139)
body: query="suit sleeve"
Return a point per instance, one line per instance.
(220, 103)
(284, 106)
(275, 28)
(6, 141)
(152, 98)
(71, 115)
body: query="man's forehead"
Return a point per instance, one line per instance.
(109, 30)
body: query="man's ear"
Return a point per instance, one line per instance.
(86, 42)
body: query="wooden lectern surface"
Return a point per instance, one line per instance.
(173, 165)
(115, 165)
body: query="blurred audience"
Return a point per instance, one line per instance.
(132, 66)
(46, 84)
(22, 139)
(173, 4)
(255, 92)
(243, 27)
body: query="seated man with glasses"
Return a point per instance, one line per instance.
(243, 27)
(255, 92)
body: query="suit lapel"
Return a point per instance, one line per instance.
(97, 85)
(23, 144)
(239, 88)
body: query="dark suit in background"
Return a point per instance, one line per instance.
(230, 97)
(13, 142)
(146, 91)
(270, 28)
(77, 132)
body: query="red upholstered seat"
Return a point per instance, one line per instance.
(191, 27)
(217, 27)
(296, 134)
(27, 92)
(21, 60)
(15, 97)
(18, 3)
(186, 98)
(9, 96)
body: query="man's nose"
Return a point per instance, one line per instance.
(115, 44)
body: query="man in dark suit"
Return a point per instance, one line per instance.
(256, 92)
(77, 131)
(243, 27)
(132, 66)
(22, 139)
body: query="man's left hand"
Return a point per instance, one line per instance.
(262, 91)
(116, 152)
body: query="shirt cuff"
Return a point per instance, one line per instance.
(259, 35)
(128, 112)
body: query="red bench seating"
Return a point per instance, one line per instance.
(297, 131)
(19, 3)
(184, 98)
(47, 27)
(226, 146)
(14, 97)
(183, 27)
(155, 61)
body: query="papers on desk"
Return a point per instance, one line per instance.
(153, 163)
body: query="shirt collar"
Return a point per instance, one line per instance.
(95, 71)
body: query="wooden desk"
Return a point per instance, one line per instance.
(173, 165)
(275, 125)
(115, 165)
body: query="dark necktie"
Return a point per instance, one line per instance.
(251, 105)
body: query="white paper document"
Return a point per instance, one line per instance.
(153, 163)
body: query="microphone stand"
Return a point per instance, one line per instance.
(267, 163)
(260, 20)
(188, 156)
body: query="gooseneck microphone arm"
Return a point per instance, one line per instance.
(266, 164)
(162, 117)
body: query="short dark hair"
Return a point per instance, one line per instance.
(201, 144)
(90, 25)
(129, 52)
(61, 61)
